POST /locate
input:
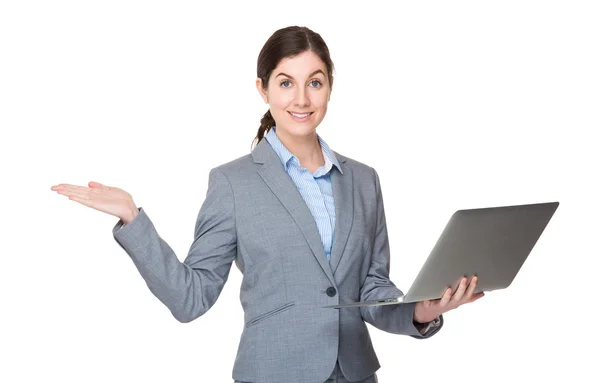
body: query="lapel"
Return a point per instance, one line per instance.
(280, 183)
(343, 197)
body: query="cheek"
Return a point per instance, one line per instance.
(321, 104)
(320, 100)
(280, 100)
(280, 104)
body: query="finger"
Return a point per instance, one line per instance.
(87, 190)
(476, 297)
(460, 291)
(81, 194)
(72, 188)
(75, 191)
(470, 289)
(94, 184)
(83, 201)
(59, 186)
(446, 297)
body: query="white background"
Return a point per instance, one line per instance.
(458, 104)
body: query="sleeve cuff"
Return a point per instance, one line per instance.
(128, 235)
(424, 328)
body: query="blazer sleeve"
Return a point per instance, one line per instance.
(191, 287)
(397, 319)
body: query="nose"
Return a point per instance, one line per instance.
(302, 99)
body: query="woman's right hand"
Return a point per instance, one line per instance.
(108, 199)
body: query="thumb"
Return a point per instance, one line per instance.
(93, 184)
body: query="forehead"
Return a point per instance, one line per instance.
(301, 65)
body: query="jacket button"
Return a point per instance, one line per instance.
(331, 291)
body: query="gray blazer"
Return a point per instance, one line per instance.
(254, 215)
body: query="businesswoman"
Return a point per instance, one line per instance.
(304, 224)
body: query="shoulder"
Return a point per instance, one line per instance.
(236, 166)
(360, 170)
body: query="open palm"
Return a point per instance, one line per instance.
(108, 199)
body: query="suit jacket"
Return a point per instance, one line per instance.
(254, 215)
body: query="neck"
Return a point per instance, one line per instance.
(306, 148)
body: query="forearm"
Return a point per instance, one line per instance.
(397, 318)
(174, 283)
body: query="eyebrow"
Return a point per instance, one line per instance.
(310, 75)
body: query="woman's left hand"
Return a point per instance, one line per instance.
(426, 311)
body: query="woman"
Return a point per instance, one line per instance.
(304, 224)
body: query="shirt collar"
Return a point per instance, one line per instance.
(286, 156)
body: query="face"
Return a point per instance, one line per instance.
(297, 87)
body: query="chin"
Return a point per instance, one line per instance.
(297, 129)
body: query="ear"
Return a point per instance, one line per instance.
(261, 91)
(330, 89)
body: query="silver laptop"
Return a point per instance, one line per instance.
(491, 243)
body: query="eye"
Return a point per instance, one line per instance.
(283, 82)
(318, 82)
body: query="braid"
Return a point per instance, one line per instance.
(266, 122)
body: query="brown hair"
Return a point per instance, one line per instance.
(284, 43)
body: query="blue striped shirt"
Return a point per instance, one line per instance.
(315, 188)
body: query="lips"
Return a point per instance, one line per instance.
(300, 115)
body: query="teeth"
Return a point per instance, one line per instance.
(300, 115)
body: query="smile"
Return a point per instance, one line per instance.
(300, 115)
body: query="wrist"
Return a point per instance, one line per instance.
(130, 217)
(424, 315)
